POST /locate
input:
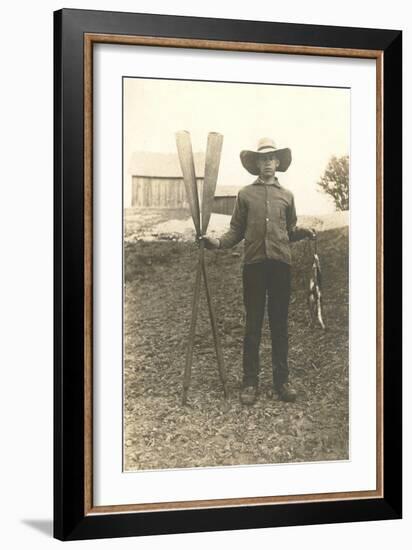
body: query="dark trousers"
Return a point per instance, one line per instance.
(266, 283)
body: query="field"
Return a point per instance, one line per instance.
(211, 431)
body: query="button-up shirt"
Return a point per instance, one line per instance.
(265, 217)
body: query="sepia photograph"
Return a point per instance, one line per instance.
(236, 201)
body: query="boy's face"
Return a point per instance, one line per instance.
(267, 164)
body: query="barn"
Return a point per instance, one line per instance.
(157, 180)
(225, 198)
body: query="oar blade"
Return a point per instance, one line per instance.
(184, 150)
(213, 154)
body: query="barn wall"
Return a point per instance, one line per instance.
(170, 193)
(158, 192)
(224, 205)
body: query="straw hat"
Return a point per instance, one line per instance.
(265, 145)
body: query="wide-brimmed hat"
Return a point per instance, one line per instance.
(265, 145)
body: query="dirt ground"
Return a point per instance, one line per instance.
(159, 432)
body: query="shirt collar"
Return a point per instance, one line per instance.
(261, 182)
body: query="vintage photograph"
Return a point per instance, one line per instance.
(236, 274)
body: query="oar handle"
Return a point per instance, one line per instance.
(213, 322)
(190, 344)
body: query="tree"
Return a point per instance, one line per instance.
(335, 181)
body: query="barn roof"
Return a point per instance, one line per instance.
(162, 165)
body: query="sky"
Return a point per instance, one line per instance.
(313, 122)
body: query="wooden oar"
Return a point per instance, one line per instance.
(212, 161)
(184, 149)
(185, 153)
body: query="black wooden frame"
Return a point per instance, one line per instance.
(70, 521)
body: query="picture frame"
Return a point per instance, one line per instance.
(76, 32)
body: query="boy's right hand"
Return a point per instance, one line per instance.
(210, 242)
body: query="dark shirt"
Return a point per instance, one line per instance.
(265, 216)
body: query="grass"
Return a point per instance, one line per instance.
(211, 431)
